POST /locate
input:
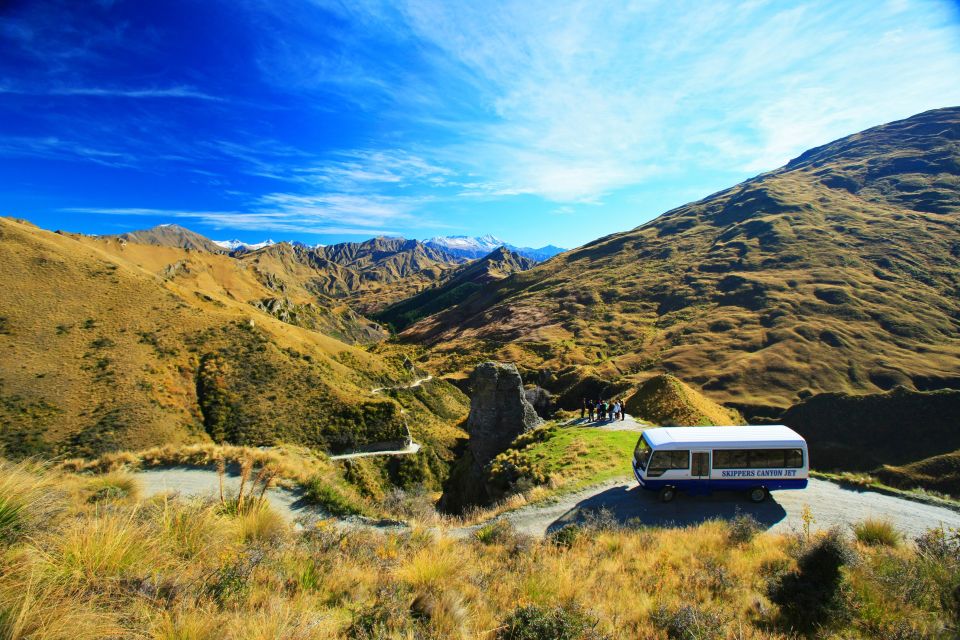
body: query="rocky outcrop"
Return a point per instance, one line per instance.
(541, 399)
(499, 412)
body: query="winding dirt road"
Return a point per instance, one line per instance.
(830, 504)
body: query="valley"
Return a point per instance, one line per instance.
(381, 392)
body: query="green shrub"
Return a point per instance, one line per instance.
(816, 594)
(567, 535)
(877, 532)
(231, 582)
(938, 568)
(542, 623)
(743, 528)
(689, 622)
(320, 492)
(496, 532)
(102, 343)
(388, 617)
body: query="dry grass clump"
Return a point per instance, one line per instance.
(115, 485)
(35, 608)
(29, 499)
(284, 465)
(172, 568)
(877, 532)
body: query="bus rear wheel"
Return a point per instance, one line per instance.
(667, 494)
(758, 494)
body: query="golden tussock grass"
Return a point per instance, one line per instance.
(168, 568)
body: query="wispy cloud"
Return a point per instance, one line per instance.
(114, 92)
(379, 116)
(582, 99)
(349, 214)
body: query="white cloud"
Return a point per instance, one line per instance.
(586, 98)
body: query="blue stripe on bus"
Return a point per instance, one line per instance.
(708, 484)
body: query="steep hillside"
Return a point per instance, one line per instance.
(837, 272)
(938, 473)
(110, 345)
(863, 432)
(460, 284)
(665, 400)
(170, 235)
(277, 283)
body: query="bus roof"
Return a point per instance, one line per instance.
(754, 436)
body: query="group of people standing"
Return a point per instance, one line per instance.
(602, 410)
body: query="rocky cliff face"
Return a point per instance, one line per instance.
(499, 412)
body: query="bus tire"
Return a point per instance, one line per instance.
(667, 494)
(758, 494)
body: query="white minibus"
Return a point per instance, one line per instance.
(699, 460)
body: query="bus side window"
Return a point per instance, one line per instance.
(794, 458)
(731, 458)
(667, 460)
(767, 458)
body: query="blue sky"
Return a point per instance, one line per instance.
(540, 122)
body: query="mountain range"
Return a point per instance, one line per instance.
(460, 247)
(477, 247)
(234, 245)
(839, 273)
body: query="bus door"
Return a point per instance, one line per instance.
(700, 467)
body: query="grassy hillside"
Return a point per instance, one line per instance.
(458, 285)
(837, 272)
(561, 457)
(110, 345)
(85, 558)
(169, 235)
(665, 400)
(369, 275)
(273, 280)
(937, 473)
(861, 433)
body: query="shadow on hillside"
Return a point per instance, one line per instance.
(636, 507)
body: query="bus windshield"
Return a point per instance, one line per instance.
(641, 455)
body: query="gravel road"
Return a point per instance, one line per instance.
(831, 505)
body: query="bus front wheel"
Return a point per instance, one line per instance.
(667, 494)
(759, 494)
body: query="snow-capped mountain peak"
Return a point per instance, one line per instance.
(233, 245)
(485, 243)
(472, 247)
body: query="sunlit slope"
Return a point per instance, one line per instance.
(838, 272)
(368, 275)
(272, 280)
(101, 352)
(169, 235)
(460, 284)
